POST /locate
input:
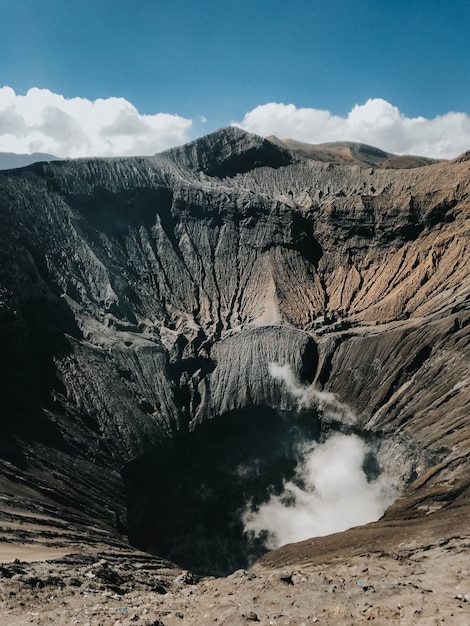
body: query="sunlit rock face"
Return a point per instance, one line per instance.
(144, 300)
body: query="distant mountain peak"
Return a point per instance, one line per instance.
(11, 160)
(230, 151)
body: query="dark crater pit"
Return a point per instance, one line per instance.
(187, 496)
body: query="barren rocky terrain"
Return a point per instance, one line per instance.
(142, 304)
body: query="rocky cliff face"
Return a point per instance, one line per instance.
(143, 299)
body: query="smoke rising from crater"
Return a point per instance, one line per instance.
(308, 396)
(330, 490)
(329, 493)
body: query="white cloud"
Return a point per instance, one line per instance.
(43, 121)
(377, 122)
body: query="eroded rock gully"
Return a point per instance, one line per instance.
(142, 301)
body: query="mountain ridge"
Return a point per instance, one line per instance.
(11, 160)
(350, 152)
(226, 138)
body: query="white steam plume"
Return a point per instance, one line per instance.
(329, 493)
(330, 490)
(309, 396)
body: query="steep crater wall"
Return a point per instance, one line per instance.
(143, 301)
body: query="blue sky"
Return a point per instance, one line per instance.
(218, 60)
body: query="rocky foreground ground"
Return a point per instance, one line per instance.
(412, 585)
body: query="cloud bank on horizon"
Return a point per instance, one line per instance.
(377, 122)
(43, 121)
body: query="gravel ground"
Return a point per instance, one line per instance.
(430, 586)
